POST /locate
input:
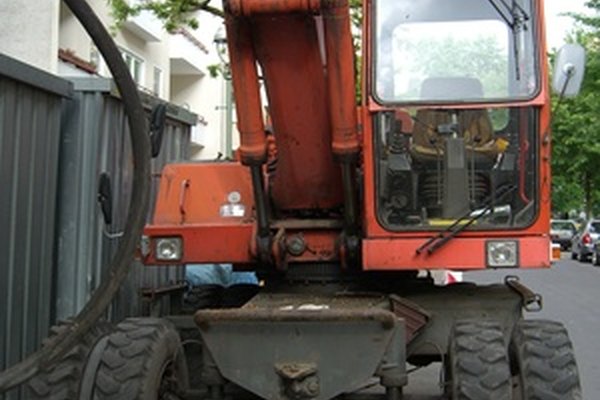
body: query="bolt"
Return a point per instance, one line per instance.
(296, 245)
(313, 387)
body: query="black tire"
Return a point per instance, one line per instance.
(143, 360)
(543, 362)
(573, 255)
(478, 365)
(61, 381)
(595, 259)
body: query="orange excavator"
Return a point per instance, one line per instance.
(443, 164)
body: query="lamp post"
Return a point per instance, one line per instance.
(220, 41)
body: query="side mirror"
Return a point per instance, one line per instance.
(569, 68)
(105, 197)
(157, 128)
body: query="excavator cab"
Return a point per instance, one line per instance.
(458, 128)
(440, 66)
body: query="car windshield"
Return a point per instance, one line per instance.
(459, 50)
(595, 227)
(562, 226)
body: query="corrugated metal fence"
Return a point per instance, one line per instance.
(30, 108)
(56, 138)
(96, 141)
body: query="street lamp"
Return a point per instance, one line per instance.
(220, 42)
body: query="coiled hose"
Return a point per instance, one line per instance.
(119, 266)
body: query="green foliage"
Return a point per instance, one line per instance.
(173, 13)
(576, 130)
(479, 56)
(356, 18)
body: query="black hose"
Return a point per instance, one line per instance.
(136, 218)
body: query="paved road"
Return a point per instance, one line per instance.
(571, 295)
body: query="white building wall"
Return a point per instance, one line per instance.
(34, 31)
(153, 53)
(206, 94)
(29, 33)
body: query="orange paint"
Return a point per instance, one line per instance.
(305, 53)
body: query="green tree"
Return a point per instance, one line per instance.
(173, 13)
(179, 13)
(576, 130)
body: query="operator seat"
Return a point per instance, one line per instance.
(474, 125)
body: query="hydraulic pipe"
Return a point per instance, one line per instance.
(340, 68)
(342, 110)
(340, 78)
(253, 142)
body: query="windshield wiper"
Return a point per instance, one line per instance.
(462, 223)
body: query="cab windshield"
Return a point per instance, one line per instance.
(441, 167)
(442, 51)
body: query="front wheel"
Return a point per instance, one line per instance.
(543, 362)
(478, 365)
(62, 380)
(143, 360)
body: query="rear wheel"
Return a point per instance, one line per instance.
(143, 360)
(478, 366)
(543, 362)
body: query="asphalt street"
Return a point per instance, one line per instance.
(570, 292)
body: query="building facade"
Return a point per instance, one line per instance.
(173, 67)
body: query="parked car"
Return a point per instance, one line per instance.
(562, 232)
(582, 245)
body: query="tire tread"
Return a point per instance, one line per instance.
(124, 369)
(61, 380)
(479, 365)
(543, 356)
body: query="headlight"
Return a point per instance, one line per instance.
(168, 249)
(502, 253)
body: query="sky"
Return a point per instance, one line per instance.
(557, 26)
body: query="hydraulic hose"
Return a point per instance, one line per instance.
(119, 266)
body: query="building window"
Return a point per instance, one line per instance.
(157, 84)
(135, 65)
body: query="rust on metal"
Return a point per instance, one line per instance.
(153, 292)
(185, 184)
(531, 301)
(313, 115)
(295, 370)
(204, 318)
(415, 317)
(306, 175)
(292, 224)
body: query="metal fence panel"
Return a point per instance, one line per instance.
(30, 109)
(95, 141)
